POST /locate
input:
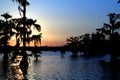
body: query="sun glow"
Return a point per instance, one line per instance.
(12, 42)
(49, 38)
(34, 31)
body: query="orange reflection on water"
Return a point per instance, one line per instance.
(18, 74)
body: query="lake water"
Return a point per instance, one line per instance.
(51, 66)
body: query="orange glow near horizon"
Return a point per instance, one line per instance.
(45, 41)
(52, 43)
(50, 36)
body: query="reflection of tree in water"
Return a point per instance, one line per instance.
(18, 74)
(36, 53)
(24, 65)
(5, 70)
(110, 72)
(62, 52)
(20, 67)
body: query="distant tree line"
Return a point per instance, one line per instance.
(104, 40)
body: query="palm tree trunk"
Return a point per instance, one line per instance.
(24, 17)
(5, 57)
(113, 44)
(24, 53)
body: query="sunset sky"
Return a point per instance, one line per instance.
(61, 19)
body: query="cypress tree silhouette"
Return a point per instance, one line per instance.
(6, 32)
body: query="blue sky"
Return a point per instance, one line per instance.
(61, 19)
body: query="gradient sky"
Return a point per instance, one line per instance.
(61, 19)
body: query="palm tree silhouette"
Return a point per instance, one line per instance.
(6, 29)
(23, 3)
(113, 26)
(19, 30)
(27, 23)
(112, 29)
(23, 29)
(6, 32)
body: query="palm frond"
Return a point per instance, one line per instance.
(38, 27)
(36, 38)
(117, 25)
(6, 15)
(21, 2)
(106, 26)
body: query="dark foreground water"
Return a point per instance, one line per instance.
(51, 66)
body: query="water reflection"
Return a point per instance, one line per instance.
(17, 72)
(5, 70)
(52, 67)
(19, 67)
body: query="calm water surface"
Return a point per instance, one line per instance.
(51, 66)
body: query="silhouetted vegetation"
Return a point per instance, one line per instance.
(6, 33)
(21, 29)
(105, 40)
